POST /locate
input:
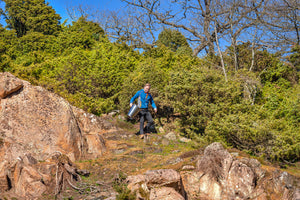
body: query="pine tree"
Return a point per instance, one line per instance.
(31, 16)
(174, 40)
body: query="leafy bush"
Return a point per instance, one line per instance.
(242, 129)
(93, 79)
(199, 94)
(7, 42)
(213, 110)
(262, 58)
(281, 75)
(155, 68)
(295, 57)
(145, 73)
(270, 130)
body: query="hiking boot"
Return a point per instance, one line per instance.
(142, 136)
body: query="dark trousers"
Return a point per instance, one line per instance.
(144, 113)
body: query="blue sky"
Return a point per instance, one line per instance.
(60, 6)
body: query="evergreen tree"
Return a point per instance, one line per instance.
(82, 25)
(81, 33)
(174, 40)
(31, 15)
(7, 42)
(295, 57)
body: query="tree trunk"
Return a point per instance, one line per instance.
(253, 51)
(221, 55)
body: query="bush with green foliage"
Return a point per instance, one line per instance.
(82, 33)
(93, 79)
(155, 68)
(214, 110)
(295, 57)
(262, 59)
(7, 42)
(198, 94)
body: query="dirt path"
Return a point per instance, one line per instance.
(127, 154)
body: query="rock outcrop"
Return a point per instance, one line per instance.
(36, 122)
(217, 176)
(157, 184)
(9, 84)
(165, 193)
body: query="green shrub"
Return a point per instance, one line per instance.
(93, 79)
(198, 94)
(281, 75)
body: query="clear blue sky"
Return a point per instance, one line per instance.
(60, 6)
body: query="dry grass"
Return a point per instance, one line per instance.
(192, 153)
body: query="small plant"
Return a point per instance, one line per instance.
(1, 141)
(120, 187)
(68, 198)
(144, 192)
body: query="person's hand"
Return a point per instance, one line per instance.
(130, 105)
(155, 110)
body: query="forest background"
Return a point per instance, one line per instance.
(224, 71)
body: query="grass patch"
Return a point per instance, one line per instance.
(121, 188)
(124, 124)
(294, 170)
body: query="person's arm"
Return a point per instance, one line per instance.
(133, 98)
(153, 104)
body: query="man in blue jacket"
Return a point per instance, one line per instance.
(144, 97)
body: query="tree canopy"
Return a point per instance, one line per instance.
(174, 40)
(31, 15)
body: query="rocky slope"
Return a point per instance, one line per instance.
(217, 175)
(50, 149)
(36, 125)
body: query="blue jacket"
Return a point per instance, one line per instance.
(145, 99)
